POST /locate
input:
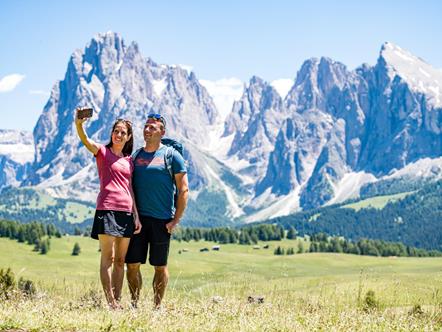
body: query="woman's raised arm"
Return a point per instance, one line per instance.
(88, 143)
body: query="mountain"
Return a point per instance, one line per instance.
(363, 124)
(16, 155)
(119, 83)
(405, 112)
(336, 134)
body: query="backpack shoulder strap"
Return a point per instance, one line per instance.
(168, 158)
(136, 153)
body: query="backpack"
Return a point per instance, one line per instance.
(171, 145)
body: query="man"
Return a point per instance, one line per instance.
(154, 195)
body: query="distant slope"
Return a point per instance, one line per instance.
(377, 202)
(27, 205)
(414, 220)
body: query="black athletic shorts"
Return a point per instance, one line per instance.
(153, 238)
(114, 223)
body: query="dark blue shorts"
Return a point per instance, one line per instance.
(153, 239)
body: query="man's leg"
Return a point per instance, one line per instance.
(135, 281)
(159, 284)
(107, 252)
(121, 244)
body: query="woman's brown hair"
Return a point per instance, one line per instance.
(129, 146)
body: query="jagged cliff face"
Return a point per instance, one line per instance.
(403, 123)
(273, 155)
(254, 122)
(119, 83)
(335, 121)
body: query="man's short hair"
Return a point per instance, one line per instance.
(156, 117)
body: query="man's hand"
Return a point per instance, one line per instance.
(137, 225)
(171, 225)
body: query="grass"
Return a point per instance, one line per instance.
(208, 291)
(377, 202)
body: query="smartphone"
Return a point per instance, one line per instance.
(84, 113)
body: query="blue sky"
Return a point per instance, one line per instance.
(219, 40)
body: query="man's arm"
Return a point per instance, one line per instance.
(182, 185)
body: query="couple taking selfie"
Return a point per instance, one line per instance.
(136, 209)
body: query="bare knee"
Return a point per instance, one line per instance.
(162, 270)
(119, 262)
(106, 260)
(133, 268)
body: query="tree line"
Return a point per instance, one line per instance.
(318, 242)
(245, 235)
(321, 242)
(34, 233)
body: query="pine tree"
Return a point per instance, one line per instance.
(291, 234)
(300, 247)
(290, 251)
(279, 251)
(44, 247)
(76, 250)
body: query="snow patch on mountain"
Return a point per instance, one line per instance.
(420, 75)
(96, 87)
(425, 167)
(234, 209)
(283, 205)
(17, 145)
(56, 186)
(20, 153)
(350, 185)
(159, 86)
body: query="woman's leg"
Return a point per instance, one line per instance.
(121, 245)
(107, 254)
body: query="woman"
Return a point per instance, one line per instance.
(115, 216)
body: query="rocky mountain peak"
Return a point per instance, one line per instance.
(417, 73)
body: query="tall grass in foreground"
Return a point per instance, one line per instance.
(209, 291)
(226, 308)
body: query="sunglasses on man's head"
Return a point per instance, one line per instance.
(157, 117)
(154, 116)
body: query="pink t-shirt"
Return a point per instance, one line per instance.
(115, 175)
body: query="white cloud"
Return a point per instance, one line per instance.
(39, 92)
(282, 86)
(224, 92)
(8, 83)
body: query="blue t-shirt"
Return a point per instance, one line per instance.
(153, 185)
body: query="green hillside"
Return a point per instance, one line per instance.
(210, 290)
(27, 205)
(413, 218)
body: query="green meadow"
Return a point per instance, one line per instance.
(209, 291)
(377, 202)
